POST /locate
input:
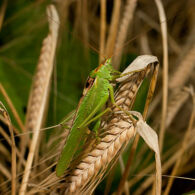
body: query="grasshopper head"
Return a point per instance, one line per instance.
(104, 70)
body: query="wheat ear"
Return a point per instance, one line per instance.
(118, 130)
(40, 90)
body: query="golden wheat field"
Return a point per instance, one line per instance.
(55, 138)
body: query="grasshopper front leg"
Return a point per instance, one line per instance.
(88, 120)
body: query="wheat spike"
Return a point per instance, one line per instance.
(44, 69)
(40, 90)
(118, 130)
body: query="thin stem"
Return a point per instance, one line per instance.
(2, 12)
(102, 30)
(113, 28)
(163, 24)
(13, 146)
(13, 109)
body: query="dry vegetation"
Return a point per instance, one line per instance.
(30, 148)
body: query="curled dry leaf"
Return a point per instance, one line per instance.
(151, 139)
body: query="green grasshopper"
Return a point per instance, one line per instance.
(96, 93)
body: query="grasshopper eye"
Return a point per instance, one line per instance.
(89, 82)
(88, 85)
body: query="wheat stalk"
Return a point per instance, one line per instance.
(2, 12)
(122, 34)
(113, 29)
(163, 24)
(102, 29)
